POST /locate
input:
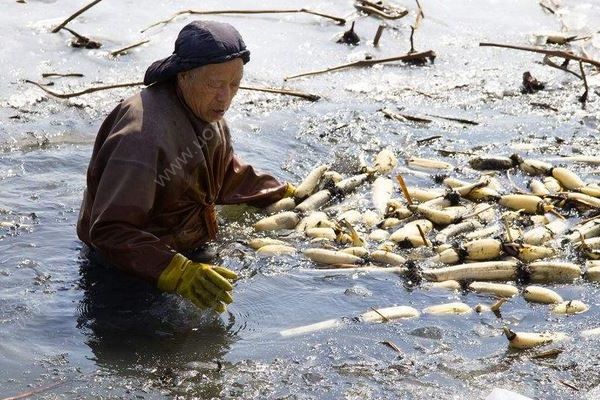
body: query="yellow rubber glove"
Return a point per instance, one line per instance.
(290, 190)
(205, 285)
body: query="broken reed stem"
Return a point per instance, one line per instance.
(404, 189)
(381, 11)
(35, 391)
(403, 117)
(77, 35)
(480, 211)
(415, 26)
(367, 63)
(552, 53)
(428, 139)
(77, 14)
(547, 61)
(497, 305)
(543, 105)
(569, 385)
(422, 235)
(383, 317)
(85, 91)
(58, 75)
(391, 345)
(339, 20)
(461, 120)
(115, 53)
(420, 9)
(380, 29)
(584, 96)
(307, 96)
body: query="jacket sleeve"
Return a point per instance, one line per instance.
(126, 188)
(243, 184)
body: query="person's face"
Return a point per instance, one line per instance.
(208, 90)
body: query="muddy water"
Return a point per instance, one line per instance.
(104, 335)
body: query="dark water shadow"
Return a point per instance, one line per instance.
(151, 339)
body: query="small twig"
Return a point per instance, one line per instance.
(85, 91)
(447, 153)
(556, 213)
(584, 245)
(420, 10)
(547, 8)
(117, 52)
(569, 385)
(378, 34)
(404, 189)
(58, 75)
(419, 92)
(429, 139)
(77, 35)
(544, 105)
(415, 26)
(77, 14)
(403, 117)
(422, 235)
(35, 391)
(385, 319)
(391, 345)
(339, 265)
(553, 53)
(497, 305)
(368, 63)
(547, 61)
(307, 96)
(590, 219)
(339, 20)
(461, 120)
(82, 41)
(412, 45)
(584, 96)
(476, 213)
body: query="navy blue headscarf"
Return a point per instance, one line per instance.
(199, 43)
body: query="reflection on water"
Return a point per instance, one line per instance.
(135, 331)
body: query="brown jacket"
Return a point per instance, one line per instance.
(155, 174)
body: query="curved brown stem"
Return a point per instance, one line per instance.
(553, 53)
(339, 20)
(77, 14)
(367, 63)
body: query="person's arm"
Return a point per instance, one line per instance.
(243, 184)
(122, 205)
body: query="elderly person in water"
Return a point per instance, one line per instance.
(163, 158)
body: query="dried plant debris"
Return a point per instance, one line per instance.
(82, 41)
(350, 37)
(381, 9)
(531, 84)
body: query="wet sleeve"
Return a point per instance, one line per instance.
(123, 203)
(243, 184)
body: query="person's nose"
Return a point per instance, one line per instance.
(223, 94)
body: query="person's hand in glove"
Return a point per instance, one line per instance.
(205, 285)
(290, 190)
